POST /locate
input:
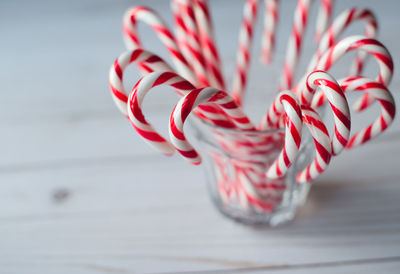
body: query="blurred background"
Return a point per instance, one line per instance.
(81, 192)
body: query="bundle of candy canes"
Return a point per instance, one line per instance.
(198, 79)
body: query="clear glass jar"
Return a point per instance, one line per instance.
(236, 162)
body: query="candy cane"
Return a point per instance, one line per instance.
(196, 43)
(180, 30)
(135, 113)
(324, 16)
(187, 104)
(253, 144)
(339, 25)
(323, 148)
(295, 43)
(135, 100)
(244, 145)
(270, 26)
(153, 63)
(371, 30)
(266, 187)
(285, 103)
(342, 22)
(243, 54)
(225, 186)
(251, 194)
(380, 93)
(249, 165)
(338, 102)
(259, 200)
(192, 41)
(150, 60)
(151, 18)
(250, 187)
(362, 43)
(207, 40)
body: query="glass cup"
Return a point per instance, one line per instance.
(236, 162)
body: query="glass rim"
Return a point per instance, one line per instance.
(236, 130)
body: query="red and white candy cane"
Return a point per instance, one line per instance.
(294, 44)
(324, 16)
(243, 54)
(225, 185)
(251, 195)
(341, 23)
(323, 147)
(255, 173)
(151, 18)
(135, 101)
(188, 103)
(180, 30)
(245, 145)
(211, 113)
(251, 191)
(153, 63)
(270, 26)
(285, 105)
(191, 43)
(338, 102)
(380, 93)
(207, 40)
(362, 43)
(271, 20)
(371, 30)
(148, 59)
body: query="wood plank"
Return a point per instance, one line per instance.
(162, 221)
(381, 265)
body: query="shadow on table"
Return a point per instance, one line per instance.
(322, 195)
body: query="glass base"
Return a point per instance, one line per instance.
(282, 214)
(236, 165)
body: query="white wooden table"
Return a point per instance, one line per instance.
(81, 193)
